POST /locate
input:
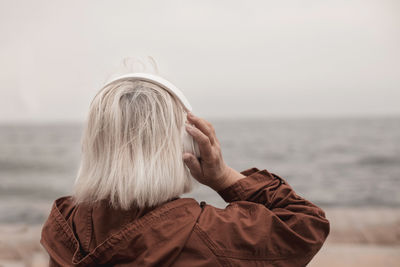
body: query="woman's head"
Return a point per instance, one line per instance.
(132, 147)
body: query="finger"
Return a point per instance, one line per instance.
(203, 126)
(202, 140)
(193, 165)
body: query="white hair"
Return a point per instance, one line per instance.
(132, 147)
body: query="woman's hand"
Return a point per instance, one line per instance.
(212, 170)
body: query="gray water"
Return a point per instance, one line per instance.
(331, 162)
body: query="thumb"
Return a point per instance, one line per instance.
(193, 164)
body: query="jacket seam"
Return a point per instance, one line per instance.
(211, 246)
(69, 239)
(88, 229)
(67, 232)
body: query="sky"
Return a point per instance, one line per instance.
(231, 59)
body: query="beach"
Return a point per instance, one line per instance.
(358, 237)
(361, 237)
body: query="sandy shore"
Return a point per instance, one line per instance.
(359, 237)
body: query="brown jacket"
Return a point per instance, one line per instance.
(265, 224)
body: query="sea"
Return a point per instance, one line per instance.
(333, 162)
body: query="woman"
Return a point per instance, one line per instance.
(126, 209)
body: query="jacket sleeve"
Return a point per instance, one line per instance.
(265, 221)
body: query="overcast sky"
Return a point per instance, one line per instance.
(230, 58)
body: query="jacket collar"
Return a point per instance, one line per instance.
(66, 236)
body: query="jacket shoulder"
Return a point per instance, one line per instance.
(234, 230)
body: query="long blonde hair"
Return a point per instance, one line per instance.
(132, 147)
